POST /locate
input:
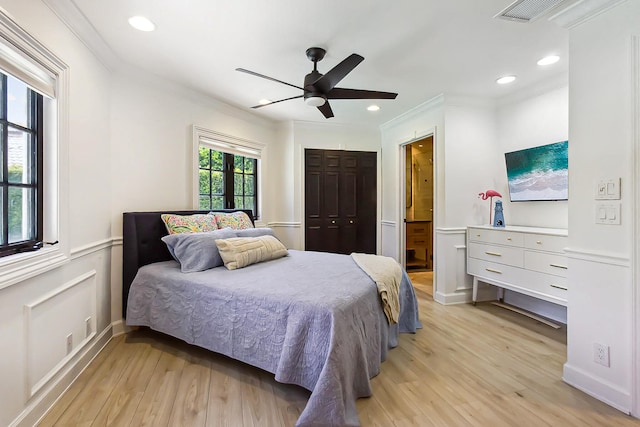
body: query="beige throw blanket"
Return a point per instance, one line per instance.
(387, 274)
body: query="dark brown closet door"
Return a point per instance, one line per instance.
(340, 201)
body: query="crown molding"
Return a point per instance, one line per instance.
(582, 11)
(80, 26)
(431, 104)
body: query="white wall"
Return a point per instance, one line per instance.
(151, 150)
(531, 117)
(538, 118)
(601, 146)
(465, 164)
(36, 310)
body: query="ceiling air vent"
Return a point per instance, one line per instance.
(526, 10)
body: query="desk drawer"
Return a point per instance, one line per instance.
(418, 228)
(546, 263)
(548, 287)
(545, 243)
(501, 237)
(493, 270)
(499, 254)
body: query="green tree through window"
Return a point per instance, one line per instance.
(227, 181)
(21, 175)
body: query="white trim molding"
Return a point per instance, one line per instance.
(582, 11)
(80, 26)
(599, 257)
(635, 261)
(41, 403)
(92, 247)
(284, 224)
(33, 384)
(606, 392)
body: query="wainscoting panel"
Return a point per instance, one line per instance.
(452, 283)
(289, 233)
(57, 326)
(389, 239)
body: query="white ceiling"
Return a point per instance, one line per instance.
(417, 48)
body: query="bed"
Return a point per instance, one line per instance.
(312, 319)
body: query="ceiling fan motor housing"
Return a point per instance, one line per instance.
(312, 96)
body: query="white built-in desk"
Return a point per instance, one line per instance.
(528, 260)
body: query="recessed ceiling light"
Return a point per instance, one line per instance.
(373, 108)
(506, 79)
(264, 101)
(548, 60)
(141, 23)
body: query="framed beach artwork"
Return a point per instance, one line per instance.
(539, 173)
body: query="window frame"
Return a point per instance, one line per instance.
(230, 145)
(49, 75)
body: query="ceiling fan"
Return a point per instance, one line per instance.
(320, 88)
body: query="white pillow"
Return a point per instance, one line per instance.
(239, 252)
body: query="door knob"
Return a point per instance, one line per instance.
(351, 222)
(333, 222)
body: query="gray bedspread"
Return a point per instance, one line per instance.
(312, 319)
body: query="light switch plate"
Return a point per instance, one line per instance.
(608, 213)
(608, 189)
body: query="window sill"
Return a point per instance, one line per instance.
(19, 267)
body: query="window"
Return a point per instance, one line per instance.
(21, 177)
(34, 129)
(227, 181)
(226, 171)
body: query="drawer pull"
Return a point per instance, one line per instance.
(351, 222)
(418, 230)
(493, 253)
(564, 288)
(538, 242)
(333, 222)
(564, 267)
(477, 235)
(418, 241)
(493, 271)
(508, 238)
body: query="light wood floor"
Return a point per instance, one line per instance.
(468, 366)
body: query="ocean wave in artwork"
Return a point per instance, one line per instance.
(540, 185)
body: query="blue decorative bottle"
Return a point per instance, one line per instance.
(498, 217)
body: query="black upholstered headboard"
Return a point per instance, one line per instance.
(141, 244)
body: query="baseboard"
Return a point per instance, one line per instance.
(120, 327)
(49, 394)
(460, 297)
(601, 390)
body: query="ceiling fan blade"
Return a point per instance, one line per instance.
(275, 102)
(326, 110)
(253, 73)
(343, 93)
(337, 73)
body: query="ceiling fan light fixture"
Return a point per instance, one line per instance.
(315, 101)
(373, 107)
(264, 101)
(141, 23)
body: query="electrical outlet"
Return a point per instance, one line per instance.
(87, 326)
(69, 343)
(601, 354)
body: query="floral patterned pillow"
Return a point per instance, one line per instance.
(235, 220)
(189, 223)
